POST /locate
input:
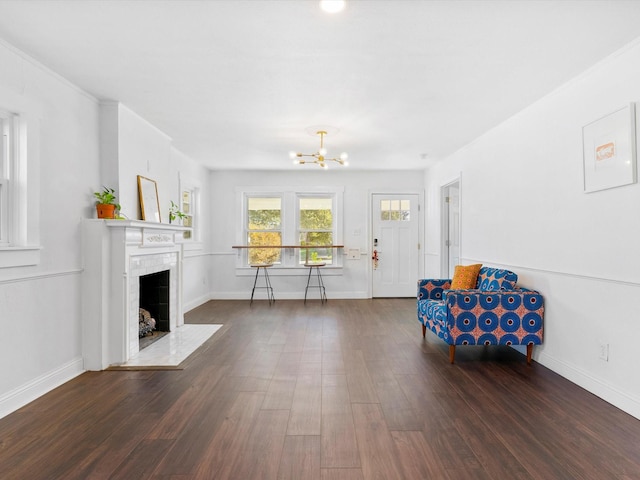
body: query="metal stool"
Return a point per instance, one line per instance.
(320, 285)
(267, 281)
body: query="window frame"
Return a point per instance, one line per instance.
(7, 139)
(21, 247)
(192, 215)
(290, 226)
(248, 231)
(301, 196)
(186, 183)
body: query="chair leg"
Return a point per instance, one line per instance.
(529, 353)
(452, 353)
(424, 330)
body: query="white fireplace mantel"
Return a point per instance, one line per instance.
(116, 253)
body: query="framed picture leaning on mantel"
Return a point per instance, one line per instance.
(149, 204)
(609, 150)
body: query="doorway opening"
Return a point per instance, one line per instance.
(450, 215)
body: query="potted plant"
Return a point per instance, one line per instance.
(106, 205)
(174, 212)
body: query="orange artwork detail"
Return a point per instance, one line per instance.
(605, 151)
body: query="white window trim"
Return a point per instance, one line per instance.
(290, 196)
(23, 194)
(195, 242)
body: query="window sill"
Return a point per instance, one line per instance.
(279, 271)
(19, 256)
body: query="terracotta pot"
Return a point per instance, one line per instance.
(106, 210)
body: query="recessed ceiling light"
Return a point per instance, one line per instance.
(332, 6)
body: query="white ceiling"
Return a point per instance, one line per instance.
(236, 84)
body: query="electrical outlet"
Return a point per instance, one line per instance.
(604, 352)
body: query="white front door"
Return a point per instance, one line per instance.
(396, 242)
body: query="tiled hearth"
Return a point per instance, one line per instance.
(116, 254)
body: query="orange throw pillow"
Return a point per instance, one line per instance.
(465, 277)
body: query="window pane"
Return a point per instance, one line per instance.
(316, 238)
(395, 210)
(264, 255)
(316, 214)
(405, 207)
(316, 228)
(264, 213)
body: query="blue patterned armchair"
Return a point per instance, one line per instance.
(496, 312)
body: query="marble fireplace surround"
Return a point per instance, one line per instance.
(116, 254)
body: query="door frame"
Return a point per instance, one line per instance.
(421, 216)
(444, 225)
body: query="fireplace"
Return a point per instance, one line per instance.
(120, 258)
(155, 298)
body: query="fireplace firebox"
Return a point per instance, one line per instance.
(154, 297)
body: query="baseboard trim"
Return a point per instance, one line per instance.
(606, 392)
(290, 295)
(196, 302)
(27, 393)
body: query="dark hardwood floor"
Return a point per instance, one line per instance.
(345, 390)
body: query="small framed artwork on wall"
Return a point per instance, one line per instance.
(609, 150)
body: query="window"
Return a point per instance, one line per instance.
(395, 210)
(189, 205)
(264, 227)
(6, 146)
(289, 217)
(188, 209)
(19, 197)
(315, 220)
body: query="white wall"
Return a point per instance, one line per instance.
(83, 145)
(40, 344)
(197, 271)
(523, 208)
(131, 146)
(354, 281)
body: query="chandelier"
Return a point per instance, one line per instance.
(319, 157)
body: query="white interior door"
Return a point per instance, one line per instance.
(451, 215)
(396, 241)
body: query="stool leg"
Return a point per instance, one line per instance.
(323, 293)
(254, 284)
(270, 295)
(307, 287)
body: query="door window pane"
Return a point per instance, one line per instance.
(395, 210)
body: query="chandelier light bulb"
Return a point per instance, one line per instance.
(332, 6)
(344, 156)
(292, 154)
